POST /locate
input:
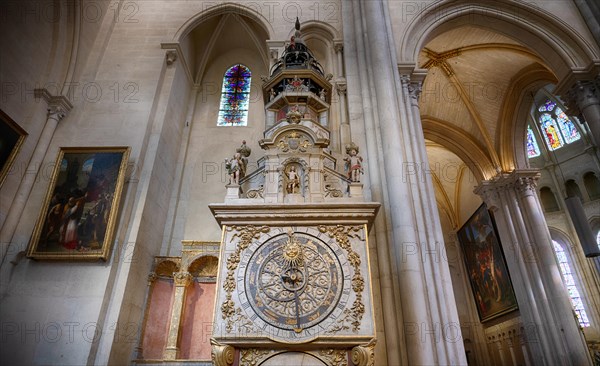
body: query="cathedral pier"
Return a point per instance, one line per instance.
(585, 99)
(528, 249)
(424, 314)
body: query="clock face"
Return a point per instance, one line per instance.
(294, 284)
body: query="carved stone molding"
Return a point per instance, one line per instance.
(338, 47)
(364, 355)
(58, 105)
(254, 356)
(222, 354)
(341, 87)
(171, 57)
(334, 357)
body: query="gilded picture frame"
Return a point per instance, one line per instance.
(488, 274)
(79, 214)
(12, 137)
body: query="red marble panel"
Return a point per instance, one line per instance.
(157, 323)
(197, 322)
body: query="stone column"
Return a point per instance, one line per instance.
(338, 46)
(182, 280)
(345, 136)
(501, 351)
(58, 107)
(584, 97)
(524, 348)
(554, 336)
(429, 312)
(551, 278)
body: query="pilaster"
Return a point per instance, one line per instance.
(182, 281)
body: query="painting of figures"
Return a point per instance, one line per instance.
(490, 281)
(11, 140)
(80, 210)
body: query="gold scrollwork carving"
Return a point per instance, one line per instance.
(334, 357)
(221, 354)
(253, 356)
(364, 355)
(230, 313)
(352, 316)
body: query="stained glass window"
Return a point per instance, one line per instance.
(557, 128)
(235, 94)
(533, 149)
(567, 127)
(569, 281)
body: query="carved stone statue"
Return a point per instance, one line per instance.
(271, 94)
(234, 168)
(244, 152)
(322, 94)
(293, 181)
(353, 162)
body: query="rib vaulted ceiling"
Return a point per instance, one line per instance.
(473, 77)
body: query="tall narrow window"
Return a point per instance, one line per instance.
(557, 128)
(569, 282)
(533, 149)
(235, 96)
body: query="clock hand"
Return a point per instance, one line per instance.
(297, 329)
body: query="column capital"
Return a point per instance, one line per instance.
(182, 279)
(341, 87)
(152, 276)
(582, 94)
(524, 181)
(58, 105)
(338, 45)
(414, 87)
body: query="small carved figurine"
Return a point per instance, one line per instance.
(353, 162)
(322, 94)
(244, 151)
(293, 181)
(234, 168)
(271, 94)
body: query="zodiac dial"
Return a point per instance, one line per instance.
(295, 284)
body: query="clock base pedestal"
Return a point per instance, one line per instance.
(360, 355)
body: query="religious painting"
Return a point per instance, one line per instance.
(486, 267)
(11, 139)
(79, 214)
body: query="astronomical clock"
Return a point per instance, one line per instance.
(294, 281)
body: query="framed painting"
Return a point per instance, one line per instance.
(486, 267)
(79, 214)
(11, 140)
